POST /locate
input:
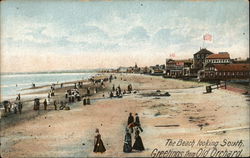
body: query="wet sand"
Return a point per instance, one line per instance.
(188, 114)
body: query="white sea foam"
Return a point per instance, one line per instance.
(12, 84)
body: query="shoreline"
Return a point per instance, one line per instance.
(43, 88)
(240, 88)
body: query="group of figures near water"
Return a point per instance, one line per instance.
(129, 130)
(16, 106)
(117, 92)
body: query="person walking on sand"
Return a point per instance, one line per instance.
(119, 90)
(137, 122)
(117, 93)
(98, 144)
(18, 97)
(55, 104)
(84, 101)
(49, 95)
(127, 147)
(45, 104)
(15, 108)
(66, 94)
(130, 120)
(20, 107)
(138, 145)
(111, 94)
(88, 91)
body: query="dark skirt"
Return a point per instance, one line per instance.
(99, 147)
(138, 145)
(127, 148)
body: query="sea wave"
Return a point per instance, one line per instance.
(43, 74)
(12, 84)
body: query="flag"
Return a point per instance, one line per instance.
(172, 55)
(207, 37)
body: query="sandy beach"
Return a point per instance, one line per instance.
(187, 115)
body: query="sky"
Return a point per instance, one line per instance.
(66, 35)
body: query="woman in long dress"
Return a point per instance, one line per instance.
(127, 147)
(98, 144)
(138, 145)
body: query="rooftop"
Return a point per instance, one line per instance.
(232, 67)
(204, 51)
(219, 56)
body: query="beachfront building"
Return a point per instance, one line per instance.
(178, 68)
(200, 57)
(157, 70)
(199, 61)
(220, 58)
(222, 72)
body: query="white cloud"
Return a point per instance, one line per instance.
(151, 31)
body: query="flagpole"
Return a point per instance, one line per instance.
(203, 42)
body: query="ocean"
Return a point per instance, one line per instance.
(12, 84)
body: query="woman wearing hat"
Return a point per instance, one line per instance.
(138, 145)
(98, 144)
(127, 147)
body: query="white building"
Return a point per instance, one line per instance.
(220, 58)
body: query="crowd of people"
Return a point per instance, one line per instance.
(117, 91)
(15, 107)
(72, 95)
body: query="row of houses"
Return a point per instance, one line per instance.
(205, 66)
(178, 68)
(152, 70)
